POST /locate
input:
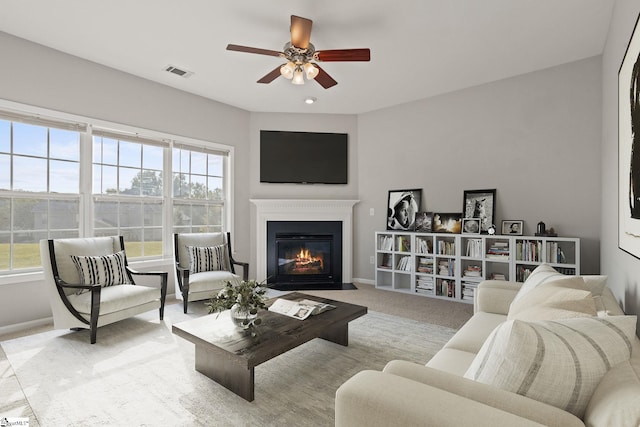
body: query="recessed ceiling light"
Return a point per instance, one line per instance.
(310, 100)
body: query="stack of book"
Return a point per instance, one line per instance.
(424, 284)
(473, 271)
(468, 290)
(425, 265)
(498, 276)
(446, 267)
(386, 243)
(529, 250)
(404, 244)
(555, 253)
(446, 248)
(424, 246)
(498, 250)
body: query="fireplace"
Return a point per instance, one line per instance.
(304, 254)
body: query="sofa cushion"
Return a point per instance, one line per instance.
(616, 400)
(473, 334)
(545, 273)
(452, 360)
(559, 299)
(207, 258)
(106, 270)
(557, 362)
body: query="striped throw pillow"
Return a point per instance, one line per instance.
(207, 258)
(107, 270)
(558, 362)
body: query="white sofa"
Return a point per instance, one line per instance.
(438, 394)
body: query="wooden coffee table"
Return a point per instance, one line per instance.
(228, 355)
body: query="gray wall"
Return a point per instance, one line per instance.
(623, 269)
(535, 138)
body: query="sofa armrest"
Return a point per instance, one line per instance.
(373, 398)
(495, 296)
(482, 393)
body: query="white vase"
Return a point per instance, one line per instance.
(242, 318)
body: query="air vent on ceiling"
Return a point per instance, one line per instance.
(177, 71)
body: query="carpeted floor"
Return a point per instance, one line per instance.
(139, 373)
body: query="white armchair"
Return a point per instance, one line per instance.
(203, 283)
(90, 284)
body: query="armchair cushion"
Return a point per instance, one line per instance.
(557, 362)
(211, 280)
(106, 270)
(207, 258)
(115, 298)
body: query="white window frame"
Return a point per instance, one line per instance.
(86, 165)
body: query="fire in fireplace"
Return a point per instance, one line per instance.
(304, 252)
(304, 255)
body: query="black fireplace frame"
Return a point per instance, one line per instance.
(308, 228)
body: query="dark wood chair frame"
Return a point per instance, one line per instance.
(61, 285)
(183, 273)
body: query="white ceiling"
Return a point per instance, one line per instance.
(419, 48)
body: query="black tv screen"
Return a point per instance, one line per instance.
(303, 157)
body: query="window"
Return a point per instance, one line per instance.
(128, 192)
(62, 179)
(198, 190)
(39, 188)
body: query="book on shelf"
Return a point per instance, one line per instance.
(498, 250)
(387, 261)
(446, 248)
(474, 248)
(468, 290)
(404, 263)
(299, 309)
(529, 250)
(404, 244)
(386, 243)
(424, 246)
(425, 265)
(498, 276)
(446, 267)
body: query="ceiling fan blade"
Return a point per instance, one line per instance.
(324, 79)
(300, 31)
(247, 49)
(271, 76)
(343, 55)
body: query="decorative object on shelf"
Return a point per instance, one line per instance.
(480, 204)
(629, 148)
(512, 227)
(402, 208)
(244, 299)
(491, 230)
(424, 222)
(541, 230)
(447, 223)
(471, 226)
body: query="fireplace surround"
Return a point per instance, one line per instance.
(268, 210)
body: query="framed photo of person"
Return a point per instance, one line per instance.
(402, 206)
(470, 225)
(447, 223)
(512, 227)
(424, 222)
(480, 204)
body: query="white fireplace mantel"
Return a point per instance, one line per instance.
(304, 210)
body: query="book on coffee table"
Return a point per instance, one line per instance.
(299, 309)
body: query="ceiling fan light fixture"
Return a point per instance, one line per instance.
(311, 71)
(298, 78)
(287, 70)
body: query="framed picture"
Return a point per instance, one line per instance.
(471, 226)
(629, 148)
(424, 222)
(512, 227)
(480, 204)
(447, 223)
(402, 206)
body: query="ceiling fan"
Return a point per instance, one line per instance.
(301, 56)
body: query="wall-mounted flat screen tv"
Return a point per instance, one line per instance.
(303, 157)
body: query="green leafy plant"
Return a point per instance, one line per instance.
(249, 296)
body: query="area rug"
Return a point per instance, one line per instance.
(140, 374)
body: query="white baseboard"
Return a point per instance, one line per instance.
(364, 281)
(19, 327)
